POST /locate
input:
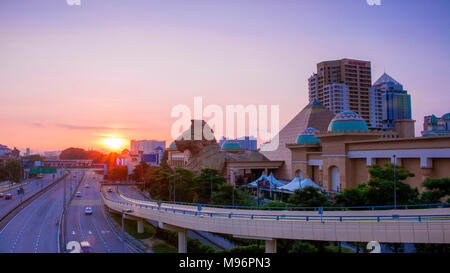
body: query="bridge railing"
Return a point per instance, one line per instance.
(278, 217)
(415, 206)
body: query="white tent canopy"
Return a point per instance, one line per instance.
(296, 184)
(272, 181)
(254, 183)
(308, 182)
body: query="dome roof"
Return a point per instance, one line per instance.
(429, 133)
(308, 136)
(230, 144)
(173, 145)
(347, 121)
(446, 116)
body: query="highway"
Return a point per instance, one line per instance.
(34, 229)
(92, 228)
(31, 188)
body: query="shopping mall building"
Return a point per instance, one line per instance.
(337, 151)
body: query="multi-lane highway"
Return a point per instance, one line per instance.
(33, 186)
(34, 229)
(93, 228)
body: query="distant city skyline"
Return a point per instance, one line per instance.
(73, 75)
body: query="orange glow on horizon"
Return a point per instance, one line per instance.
(114, 143)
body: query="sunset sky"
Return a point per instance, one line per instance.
(73, 75)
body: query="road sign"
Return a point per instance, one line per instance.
(37, 170)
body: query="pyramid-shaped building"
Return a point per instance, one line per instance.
(314, 115)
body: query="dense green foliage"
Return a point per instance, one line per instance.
(309, 197)
(379, 189)
(182, 185)
(436, 190)
(11, 171)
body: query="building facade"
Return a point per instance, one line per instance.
(329, 78)
(434, 126)
(395, 102)
(341, 157)
(146, 146)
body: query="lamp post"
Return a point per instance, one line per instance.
(174, 186)
(395, 183)
(210, 181)
(123, 230)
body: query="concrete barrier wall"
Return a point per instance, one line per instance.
(351, 229)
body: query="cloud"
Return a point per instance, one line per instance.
(83, 127)
(38, 124)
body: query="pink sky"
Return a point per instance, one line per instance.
(70, 75)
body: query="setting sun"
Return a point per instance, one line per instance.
(114, 143)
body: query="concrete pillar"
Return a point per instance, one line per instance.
(182, 242)
(271, 246)
(140, 226)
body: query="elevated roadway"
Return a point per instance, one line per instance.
(387, 226)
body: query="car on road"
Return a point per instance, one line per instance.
(8, 196)
(109, 190)
(2, 195)
(85, 247)
(78, 194)
(88, 210)
(87, 186)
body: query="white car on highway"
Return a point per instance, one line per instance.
(88, 210)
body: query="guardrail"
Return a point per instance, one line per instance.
(405, 207)
(282, 217)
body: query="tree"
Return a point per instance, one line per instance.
(436, 189)
(208, 180)
(139, 171)
(162, 182)
(352, 197)
(118, 173)
(303, 247)
(309, 197)
(13, 170)
(380, 189)
(78, 153)
(225, 194)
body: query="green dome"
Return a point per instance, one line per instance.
(308, 136)
(347, 121)
(231, 145)
(446, 116)
(173, 145)
(429, 133)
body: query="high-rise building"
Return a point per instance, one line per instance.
(396, 103)
(146, 146)
(327, 86)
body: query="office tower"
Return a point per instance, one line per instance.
(342, 85)
(396, 103)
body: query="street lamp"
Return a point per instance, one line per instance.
(123, 230)
(210, 181)
(174, 186)
(123, 227)
(395, 184)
